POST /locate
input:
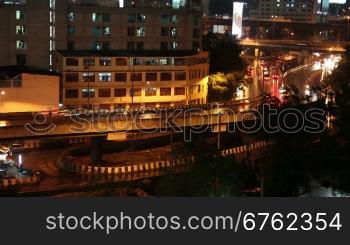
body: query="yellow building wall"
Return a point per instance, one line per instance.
(38, 93)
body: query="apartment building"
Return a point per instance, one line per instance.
(290, 10)
(31, 30)
(111, 79)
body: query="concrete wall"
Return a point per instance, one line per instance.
(38, 93)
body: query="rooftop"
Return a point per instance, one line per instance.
(13, 71)
(127, 53)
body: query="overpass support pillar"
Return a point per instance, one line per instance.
(96, 149)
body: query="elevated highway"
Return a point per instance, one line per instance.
(296, 45)
(43, 126)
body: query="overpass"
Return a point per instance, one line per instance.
(119, 122)
(296, 45)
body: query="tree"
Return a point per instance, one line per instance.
(223, 87)
(339, 80)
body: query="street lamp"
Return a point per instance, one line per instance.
(348, 32)
(2, 94)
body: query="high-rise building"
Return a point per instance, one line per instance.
(31, 30)
(300, 11)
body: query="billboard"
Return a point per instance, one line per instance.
(237, 18)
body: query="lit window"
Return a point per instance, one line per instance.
(71, 16)
(105, 76)
(20, 44)
(140, 32)
(88, 93)
(106, 31)
(88, 77)
(20, 30)
(20, 15)
(105, 61)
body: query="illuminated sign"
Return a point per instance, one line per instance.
(237, 19)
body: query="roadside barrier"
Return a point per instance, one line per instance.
(68, 162)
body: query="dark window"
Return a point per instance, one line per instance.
(131, 46)
(165, 19)
(165, 91)
(131, 31)
(136, 76)
(165, 76)
(151, 76)
(70, 45)
(21, 59)
(195, 33)
(71, 93)
(179, 91)
(120, 77)
(180, 76)
(140, 45)
(106, 17)
(5, 84)
(106, 45)
(72, 62)
(121, 62)
(105, 106)
(89, 62)
(180, 61)
(120, 92)
(195, 45)
(151, 92)
(135, 92)
(104, 92)
(164, 45)
(71, 77)
(165, 31)
(132, 18)
(71, 29)
(196, 20)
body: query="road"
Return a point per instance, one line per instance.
(297, 44)
(45, 162)
(55, 178)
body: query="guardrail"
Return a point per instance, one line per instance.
(6, 183)
(68, 162)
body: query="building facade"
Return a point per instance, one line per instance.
(292, 10)
(27, 89)
(125, 79)
(31, 30)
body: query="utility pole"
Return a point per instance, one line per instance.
(87, 67)
(219, 129)
(172, 150)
